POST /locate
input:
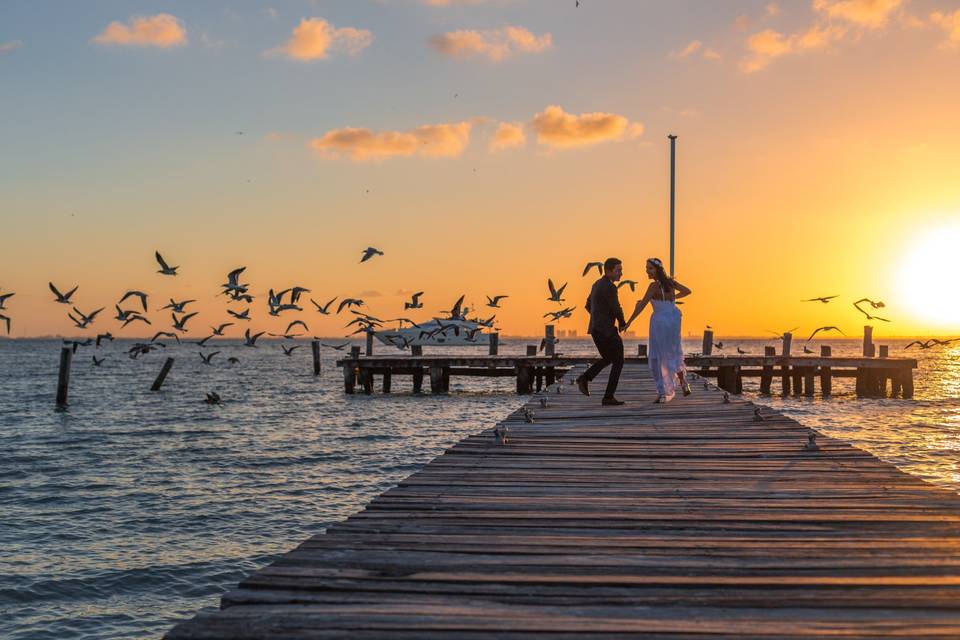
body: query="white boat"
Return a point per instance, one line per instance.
(450, 333)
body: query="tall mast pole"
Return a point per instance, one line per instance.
(673, 196)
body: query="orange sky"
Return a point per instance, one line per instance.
(823, 172)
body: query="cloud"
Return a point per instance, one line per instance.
(162, 30)
(766, 46)
(694, 47)
(773, 9)
(689, 50)
(949, 22)
(7, 47)
(495, 44)
(315, 39)
(361, 145)
(871, 14)
(558, 129)
(508, 135)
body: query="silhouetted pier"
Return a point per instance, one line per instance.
(707, 516)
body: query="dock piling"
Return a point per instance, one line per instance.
(868, 350)
(531, 349)
(369, 351)
(766, 372)
(63, 379)
(707, 342)
(416, 350)
(494, 343)
(164, 370)
(315, 348)
(642, 350)
(355, 352)
(550, 346)
(826, 377)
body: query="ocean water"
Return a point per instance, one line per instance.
(133, 509)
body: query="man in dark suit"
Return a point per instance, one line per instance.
(603, 304)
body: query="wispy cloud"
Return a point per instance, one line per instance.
(508, 135)
(7, 47)
(950, 23)
(558, 129)
(835, 21)
(315, 39)
(695, 47)
(162, 30)
(494, 44)
(363, 145)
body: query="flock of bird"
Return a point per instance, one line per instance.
(133, 305)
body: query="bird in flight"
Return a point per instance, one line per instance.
(348, 302)
(4, 298)
(165, 334)
(494, 302)
(369, 252)
(97, 362)
(62, 298)
(630, 283)
(165, 269)
(180, 324)
(240, 315)
(819, 329)
(874, 304)
(555, 294)
(250, 340)
(207, 358)
(323, 308)
(823, 299)
(137, 294)
(335, 347)
(593, 265)
(177, 307)
(289, 351)
(414, 301)
(104, 336)
(218, 331)
(84, 318)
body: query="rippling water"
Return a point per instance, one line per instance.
(134, 509)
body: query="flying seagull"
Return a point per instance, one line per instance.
(251, 340)
(180, 324)
(414, 301)
(137, 294)
(218, 331)
(289, 351)
(323, 308)
(165, 334)
(241, 315)
(494, 302)
(207, 358)
(591, 265)
(177, 307)
(104, 336)
(823, 299)
(133, 318)
(165, 269)
(349, 302)
(62, 298)
(98, 362)
(630, 283)
(819, 329)
(4, 298)
(369, 252)
(336, 347)
(87, 319)
(555, 294)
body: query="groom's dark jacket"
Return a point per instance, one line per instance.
(603, 305)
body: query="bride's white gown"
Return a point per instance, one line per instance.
(665, 353)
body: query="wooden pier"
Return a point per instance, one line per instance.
(704, 517)
(796, 374)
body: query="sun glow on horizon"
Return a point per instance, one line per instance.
(927, 276)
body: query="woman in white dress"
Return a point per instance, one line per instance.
(665, 353)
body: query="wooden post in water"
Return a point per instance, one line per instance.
(63, 379)
(884, 351)
(416, 350)
(445, 379)
(707, 342)
(727, 378)
(550, 347)
(366, 380)
(787, 344)
(797, 374)
(355, 352)
(494, 344)
(826, 378)
(164, 370)
(387, 376)
(418, 379)
(808, 381)
(868, 350)
(369, 351)
(349, 377)
(531, 349)
(642, 350)
(524, 378)
(436, 378)
(315, 348)
(907, 381)
(766, 373)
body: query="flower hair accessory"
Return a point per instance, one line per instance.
(655, 261)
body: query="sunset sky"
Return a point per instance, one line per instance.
(484, 146)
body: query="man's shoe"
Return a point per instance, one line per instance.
(611, 402)
(583, 385)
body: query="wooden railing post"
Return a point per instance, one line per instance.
(826, 377)
(549, 348)
(766, 372)
(868, 341)
(494, 343)
(707, 342)
(369, 343)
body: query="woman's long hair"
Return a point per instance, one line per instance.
(663, 280)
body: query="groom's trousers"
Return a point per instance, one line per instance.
(610, 347)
